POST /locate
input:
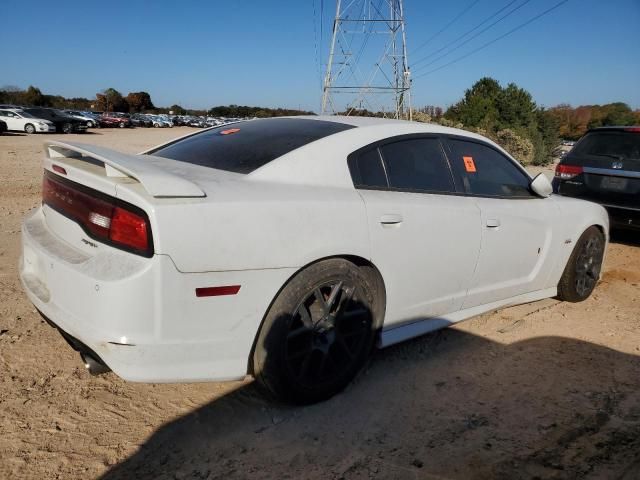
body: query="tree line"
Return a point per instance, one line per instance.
(111, 100)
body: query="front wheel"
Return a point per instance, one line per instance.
(29, 128)
(67, 128)
(318, 333)
(582, 271)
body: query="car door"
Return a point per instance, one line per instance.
(425, 237)
(517, 243)
(11, 119)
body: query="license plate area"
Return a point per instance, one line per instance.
(616, 184)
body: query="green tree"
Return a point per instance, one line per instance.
(478, 107)
(33, 96)
(516, 108)
(177, 110)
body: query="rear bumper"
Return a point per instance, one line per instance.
(141, 316)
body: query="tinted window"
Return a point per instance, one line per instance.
(485, 171)
(417, 164)
(625, 145)
(367, 170)
(245, 146)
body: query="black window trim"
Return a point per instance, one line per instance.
(354, 168)
(444, 138)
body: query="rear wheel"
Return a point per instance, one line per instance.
(67, 128)
(318, 333)
(29, 128)
(582, 271)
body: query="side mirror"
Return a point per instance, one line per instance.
(541, 186)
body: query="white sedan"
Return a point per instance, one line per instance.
(288, 248)
(21, 121)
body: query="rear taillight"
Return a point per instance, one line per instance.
(632, 129)
(103, 218)
(565, 172)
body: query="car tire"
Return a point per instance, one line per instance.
(90, 124)
(30, 128)
(67, 128)
(122, 125)
(582, 272)
(318, 333)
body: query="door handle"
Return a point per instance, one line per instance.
(391, 219)
(493, 223)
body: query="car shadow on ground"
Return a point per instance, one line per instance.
(12, 134)
(445, 405)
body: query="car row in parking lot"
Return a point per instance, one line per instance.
(49, 120)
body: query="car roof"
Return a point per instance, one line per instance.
(615, 128)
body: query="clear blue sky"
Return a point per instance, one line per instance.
(260, 52)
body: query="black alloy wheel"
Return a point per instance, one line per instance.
(582, 272)
(327, 334)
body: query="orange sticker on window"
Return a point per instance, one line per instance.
(469, 164)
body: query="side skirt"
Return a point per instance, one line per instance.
(399, 333)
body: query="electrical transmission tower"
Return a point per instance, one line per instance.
(367, 67)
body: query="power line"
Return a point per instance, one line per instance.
(466, 33)
(457, 17)
(522, 25)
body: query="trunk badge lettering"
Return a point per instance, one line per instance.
(616, 165)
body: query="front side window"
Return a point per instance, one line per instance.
(485, 171)
(417, 164)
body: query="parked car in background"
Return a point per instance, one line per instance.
(160, 122)
(82, 116)
(3, 127)
(368, 232)
(604, 167)
(64, 123)
(18, 120)
(114, 119)
(141, 120)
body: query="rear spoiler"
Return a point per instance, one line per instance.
(155, 180)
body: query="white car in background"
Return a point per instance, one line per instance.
(286, 248)
(21, 121)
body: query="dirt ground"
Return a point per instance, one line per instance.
(544, 390)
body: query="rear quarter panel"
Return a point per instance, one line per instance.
(262, 226)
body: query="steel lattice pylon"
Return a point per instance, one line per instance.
(367, 67)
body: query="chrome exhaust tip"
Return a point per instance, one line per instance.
(93, 366)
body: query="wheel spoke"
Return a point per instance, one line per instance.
(344, 300)
(335, 291)
(305, 316)
(320, 298)
(298, 331)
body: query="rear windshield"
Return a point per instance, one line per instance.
(614, 144)
(246, 146)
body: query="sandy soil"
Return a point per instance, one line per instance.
(545, 390)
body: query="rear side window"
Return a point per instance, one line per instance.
(246, 146)
(485, 171)
(622, 145)
(417, 164)
(367, 170)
